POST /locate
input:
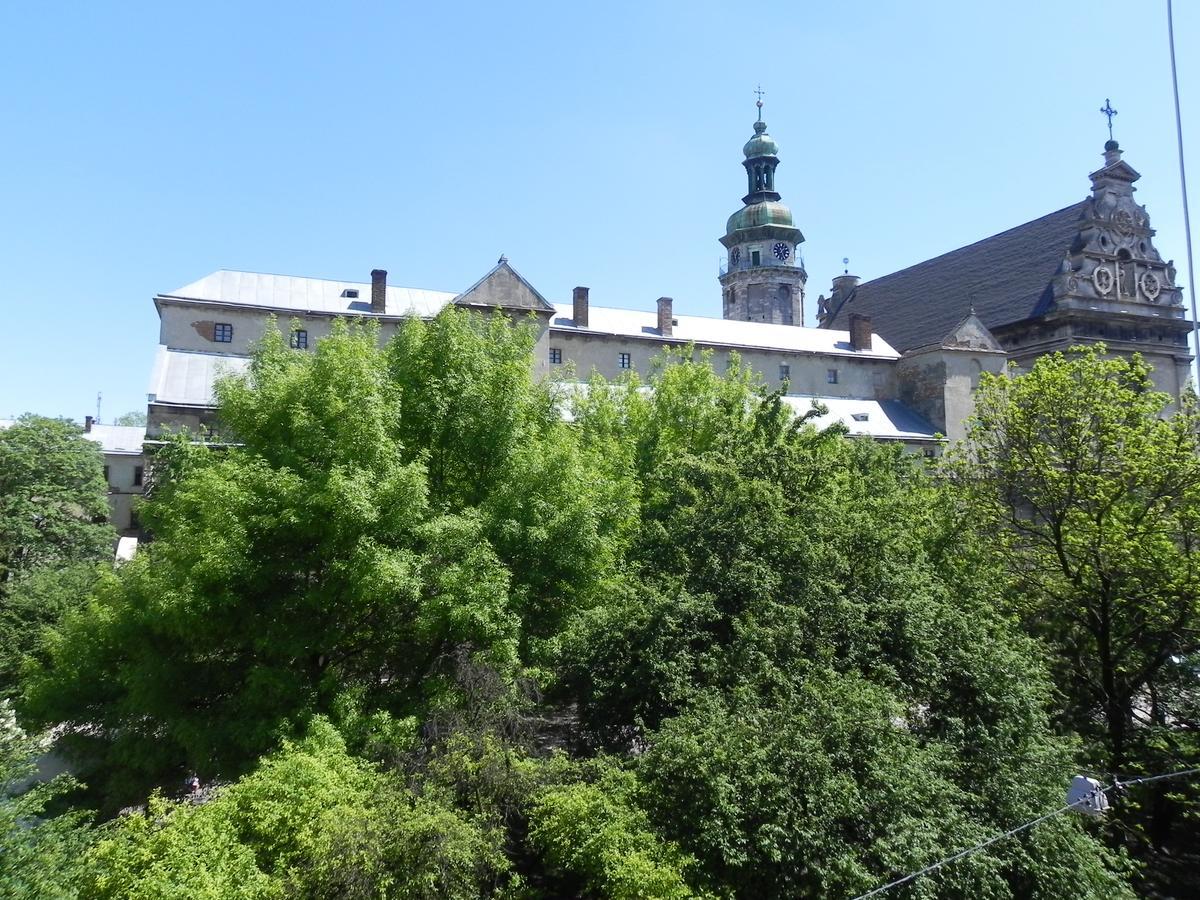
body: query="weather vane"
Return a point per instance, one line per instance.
(759, 92)
(1110, 112)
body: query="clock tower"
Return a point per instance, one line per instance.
(762, 278)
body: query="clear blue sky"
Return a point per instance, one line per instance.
(598, 144)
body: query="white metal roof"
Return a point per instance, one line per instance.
(295, 294)
(111, 438)
(720, 332)
(118, 438)
(881, 419)
(288, 293)
(186, 377)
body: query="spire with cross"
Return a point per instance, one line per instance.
(1107, 110)
(759, 91)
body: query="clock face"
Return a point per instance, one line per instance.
(782, 251)
(735, 256)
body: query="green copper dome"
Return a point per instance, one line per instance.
(762, 144)
(767, 212)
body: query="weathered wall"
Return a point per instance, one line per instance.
(940, 384)
(122, 492)
(857, 377)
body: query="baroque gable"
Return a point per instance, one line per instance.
(1112, 262)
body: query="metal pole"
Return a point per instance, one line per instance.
(1187, 221)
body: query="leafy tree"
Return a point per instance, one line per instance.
(384, 513)
(39, 854)
(33, 604)
(53, 497)
(810, 660)
(1079, 478)
(53, 528)
(136, 417)
(596, 833)
(309, 821)
(1089, 492)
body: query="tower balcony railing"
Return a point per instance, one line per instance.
(742, 265)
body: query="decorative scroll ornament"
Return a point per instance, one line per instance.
(1151, 286)
(1123, 222)
(1102, 278)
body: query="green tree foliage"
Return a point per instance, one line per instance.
(310, 821)
(53, 498)
(810, 658)
(134, 417)
(40, 855)
(1088, 494)
(34, 604)
(383, 513)
(1074, 474)
(777, 648)
(597, 835)
(53, 528)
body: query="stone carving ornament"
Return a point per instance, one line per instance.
(1102, 278)
(1123, 222)
(1151, 286)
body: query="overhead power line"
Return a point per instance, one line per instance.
(1080, 804)
(1187, 221)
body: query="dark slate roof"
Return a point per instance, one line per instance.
(1005, 277)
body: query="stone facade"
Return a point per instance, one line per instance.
(762, 277)
(1084, 274)
(897, 358)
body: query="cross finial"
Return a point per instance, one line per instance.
(1110, 112)
(759, 91)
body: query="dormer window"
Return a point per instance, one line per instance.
(350, 293)
(860, 417)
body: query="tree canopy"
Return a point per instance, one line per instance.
(431, 637)
(53, 497)
(53, 530)
(1086, 493)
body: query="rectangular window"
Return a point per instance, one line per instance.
(134, 521)
(222, 332)
(106, 481)
(755, 258)
(137, 476)
(785, 371)
(556, 356)
(831, 376)
(624, 360)
(299, 339)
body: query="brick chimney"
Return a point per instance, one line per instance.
(88, 422)
(579, 303)
(379, 290)
(860, 332)
(665, 321)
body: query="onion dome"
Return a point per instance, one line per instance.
(766, 212)
(762, 144)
